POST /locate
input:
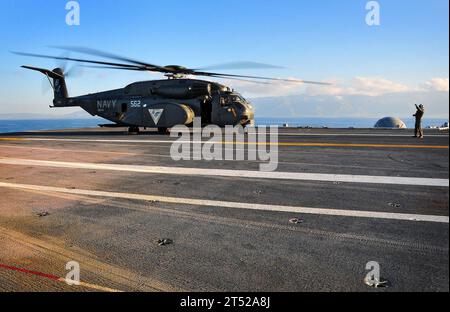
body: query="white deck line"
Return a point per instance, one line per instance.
(235, 205)
(276, 175)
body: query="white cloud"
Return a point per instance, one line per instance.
(377, 86)
(399, 104)
(370, 86)
(358, 97)
(436, 84)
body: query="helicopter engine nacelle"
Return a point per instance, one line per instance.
(167, 115)
(183, 91)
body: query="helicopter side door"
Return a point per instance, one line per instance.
(128, 111)
(206, 110)
(135, 111)
(219, 110)
(223, 111)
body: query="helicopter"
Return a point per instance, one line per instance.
(160, 104)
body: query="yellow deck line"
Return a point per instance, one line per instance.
(306, 144)
(69, 150)
(11, 139)
(298, 144)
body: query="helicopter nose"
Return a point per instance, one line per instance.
(247, 114)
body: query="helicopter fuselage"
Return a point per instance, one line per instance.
(166, 103)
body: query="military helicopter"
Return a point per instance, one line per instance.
(159, 104)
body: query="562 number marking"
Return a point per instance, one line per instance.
(135, 104)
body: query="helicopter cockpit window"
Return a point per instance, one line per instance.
(236, 98)
(224, 101)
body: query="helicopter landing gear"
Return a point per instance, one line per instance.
(133, 130)
(163, 131)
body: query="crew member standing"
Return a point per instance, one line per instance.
(418, 132)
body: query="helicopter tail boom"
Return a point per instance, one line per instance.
(57, 82)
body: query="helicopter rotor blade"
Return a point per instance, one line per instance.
(63, 58)
(141, 66)
(245, 80)
(73, 71)
(258, 77)
(69, 69)
(114, 67)
(238, 65)
(95, 52)
(45, 87)
(143, 69)
(163, 69)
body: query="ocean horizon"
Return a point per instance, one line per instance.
(22, 125)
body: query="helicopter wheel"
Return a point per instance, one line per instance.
(133, 130)
(163, 131)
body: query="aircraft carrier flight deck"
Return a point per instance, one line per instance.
(136, 220)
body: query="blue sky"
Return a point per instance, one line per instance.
(315, 40)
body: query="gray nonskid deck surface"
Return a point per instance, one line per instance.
(219, 241)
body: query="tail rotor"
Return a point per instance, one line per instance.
(57, 81)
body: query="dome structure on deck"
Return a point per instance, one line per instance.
(390, 122)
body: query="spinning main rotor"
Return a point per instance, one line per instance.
(170, 71)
